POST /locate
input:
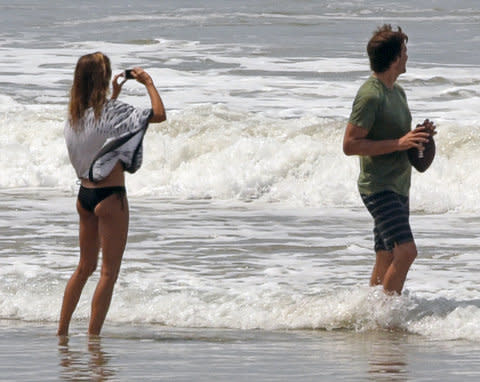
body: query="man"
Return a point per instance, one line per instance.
(379, 132)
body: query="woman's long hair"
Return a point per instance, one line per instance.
(90, 86)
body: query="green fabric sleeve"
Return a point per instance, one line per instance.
(364, 108)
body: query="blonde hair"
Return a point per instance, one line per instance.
(90, 86)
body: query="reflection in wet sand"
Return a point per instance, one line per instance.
(91, 365)
(387, 359)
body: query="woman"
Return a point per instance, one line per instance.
(104, 139)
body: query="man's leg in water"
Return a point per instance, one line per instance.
(403, 257)
(383, 260)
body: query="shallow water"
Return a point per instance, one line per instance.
(204, 263)
(126, 353)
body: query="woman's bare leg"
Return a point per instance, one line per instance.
(113, 229)
(89, 247)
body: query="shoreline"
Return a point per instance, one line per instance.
(151, 353)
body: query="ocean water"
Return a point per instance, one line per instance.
(249, 246)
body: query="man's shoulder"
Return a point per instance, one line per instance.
(371, 88)
(399, 89)
(370, 92)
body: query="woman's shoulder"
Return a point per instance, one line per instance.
(119, 108)
(116, 105)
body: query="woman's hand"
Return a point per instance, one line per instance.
(117, 87)
(142, 76)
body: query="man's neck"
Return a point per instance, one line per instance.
(388, 78)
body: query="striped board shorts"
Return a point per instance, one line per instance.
(390, 212)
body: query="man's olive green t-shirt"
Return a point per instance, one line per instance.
(384, 113)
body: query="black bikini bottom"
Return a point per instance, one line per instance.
(90, 197)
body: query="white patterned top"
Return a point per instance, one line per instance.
(97, 145)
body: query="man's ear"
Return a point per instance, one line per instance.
(395, 62)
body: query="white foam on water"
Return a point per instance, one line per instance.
(211, 151)
(242, 76)
(461, 323)
(231, 265)
(265, 307)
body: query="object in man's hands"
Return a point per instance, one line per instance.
(128, 74)
(422, 159)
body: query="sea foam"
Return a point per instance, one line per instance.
(211, 151)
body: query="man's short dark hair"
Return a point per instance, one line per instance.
(385, 47)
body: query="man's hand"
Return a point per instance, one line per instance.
(415, 138)
(429, 127)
